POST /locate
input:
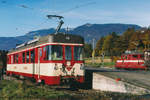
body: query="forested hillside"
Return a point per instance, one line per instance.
(114, 44)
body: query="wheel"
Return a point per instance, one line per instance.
(42, 82)
(117, 68)
(74, 85)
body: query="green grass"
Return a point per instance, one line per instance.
(105, 64)
(90, 58)
(12, 89)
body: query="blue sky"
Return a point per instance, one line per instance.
(18, 17)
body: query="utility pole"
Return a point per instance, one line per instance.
(93, 53)
(102, 59)
(68, 29)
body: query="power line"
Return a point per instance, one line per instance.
(25, 6)
(78, 6)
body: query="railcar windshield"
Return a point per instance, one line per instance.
(56, 52)
(53, 52)
(138, 56)
(78, 53)
(141, 56)
(135, 56)
(68, 53)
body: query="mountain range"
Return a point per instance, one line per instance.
(88, 31)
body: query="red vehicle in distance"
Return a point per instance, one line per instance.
(133, 60)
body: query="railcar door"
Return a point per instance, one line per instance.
(38, 62)
(32, 56)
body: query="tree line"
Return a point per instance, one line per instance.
(114, 44)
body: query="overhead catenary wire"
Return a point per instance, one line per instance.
(78, 6)
(25, 6)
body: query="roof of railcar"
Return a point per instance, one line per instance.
(52, 38)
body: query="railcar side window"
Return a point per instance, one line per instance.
(52, 52)
(23, 57)
(56, 52)
(135, 56)
(12, 59)
(123, 57)
(27, 56)
(32, 56)
(78, 53)
(141, 56)
(16, 58)
(68, 53)
(47, 52)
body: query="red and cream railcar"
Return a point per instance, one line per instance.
(131, 61)
(52, 59)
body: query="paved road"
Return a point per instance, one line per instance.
(136, 77)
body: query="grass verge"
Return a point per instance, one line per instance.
(12, 89)
(105, 64)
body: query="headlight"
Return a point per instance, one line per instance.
(82, 67)
(56, 67)
(143, 64)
